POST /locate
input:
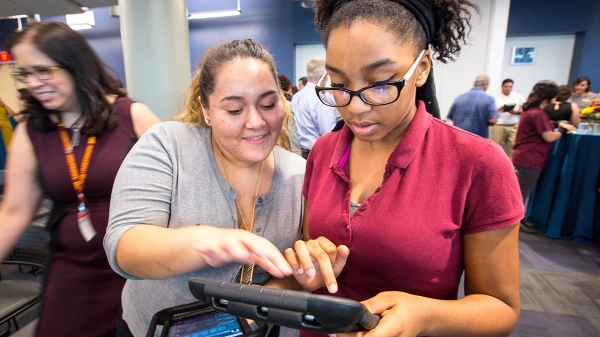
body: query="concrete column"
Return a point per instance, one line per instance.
(156, 52)
(496, 43)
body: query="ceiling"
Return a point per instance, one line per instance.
(49, 7)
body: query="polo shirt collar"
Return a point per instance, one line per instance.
(406, 149)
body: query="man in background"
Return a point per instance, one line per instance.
(508, 104)
(302, 82)
(314, 119)
(475, 110)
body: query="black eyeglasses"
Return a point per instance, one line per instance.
(41, 73)
(378, 93)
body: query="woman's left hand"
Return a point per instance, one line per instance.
(398, 315)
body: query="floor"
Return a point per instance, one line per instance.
(560, 288)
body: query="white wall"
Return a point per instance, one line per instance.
(552, 61)
(303, 54)
(481, 55)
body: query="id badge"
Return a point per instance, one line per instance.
(85, 225)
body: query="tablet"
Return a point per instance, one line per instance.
(201, 320)
(293, 309)
(509, 107)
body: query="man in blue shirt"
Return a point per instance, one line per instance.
(313, 118)
(475, 110)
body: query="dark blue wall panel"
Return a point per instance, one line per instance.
(277, 24)
(582, 17)
(282, 24)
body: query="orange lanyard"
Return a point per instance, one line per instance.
(77, 177)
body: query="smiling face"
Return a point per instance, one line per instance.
(581, 88)
(57, 92)
(245, 110)
(362, 54)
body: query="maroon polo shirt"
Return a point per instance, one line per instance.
(531, 150)
(440, 183)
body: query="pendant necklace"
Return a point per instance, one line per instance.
(247, 269)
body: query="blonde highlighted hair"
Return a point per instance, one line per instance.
(203, 83)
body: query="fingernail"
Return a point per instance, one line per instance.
(333, 288)
(299, 271)
(311, 272)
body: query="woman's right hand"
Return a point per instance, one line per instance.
(222, 246)
(566, 125)
(317, 263)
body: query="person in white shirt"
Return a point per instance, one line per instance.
(314, 118)
(509, 105)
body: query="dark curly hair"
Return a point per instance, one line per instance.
(70, 50)
(451, 22)
(542, 91)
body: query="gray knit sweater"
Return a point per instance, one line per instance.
(170, 179)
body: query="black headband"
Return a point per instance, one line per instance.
(419, 8)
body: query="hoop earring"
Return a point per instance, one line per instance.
(207, 121)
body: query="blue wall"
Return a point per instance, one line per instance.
(281, 24)
(277, 24)
(582, 17)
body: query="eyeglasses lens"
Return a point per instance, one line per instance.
(41, 73)
(379, 95)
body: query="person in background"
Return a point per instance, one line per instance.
(313, 118)
(416, 200)
(294, 89)
(302, 82)
(582, 96)
(508, 104)
(286, 87)
(6, 130)
(210, 194)
(535, 136)
(475, 110)
(561, 110)
(69, 150)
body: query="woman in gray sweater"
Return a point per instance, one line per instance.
(212, 194)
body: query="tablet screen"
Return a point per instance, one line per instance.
(218, 324)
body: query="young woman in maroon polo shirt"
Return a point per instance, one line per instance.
(535, 136)
(410, 201)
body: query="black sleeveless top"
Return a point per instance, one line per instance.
(559, 111)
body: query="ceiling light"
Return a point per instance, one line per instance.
(216, 14)
(81, 21)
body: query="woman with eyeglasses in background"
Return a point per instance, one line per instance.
(69, 150)
(417, 201)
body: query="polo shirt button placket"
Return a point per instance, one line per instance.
(363, 207)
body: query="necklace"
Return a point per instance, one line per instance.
(247, 269)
